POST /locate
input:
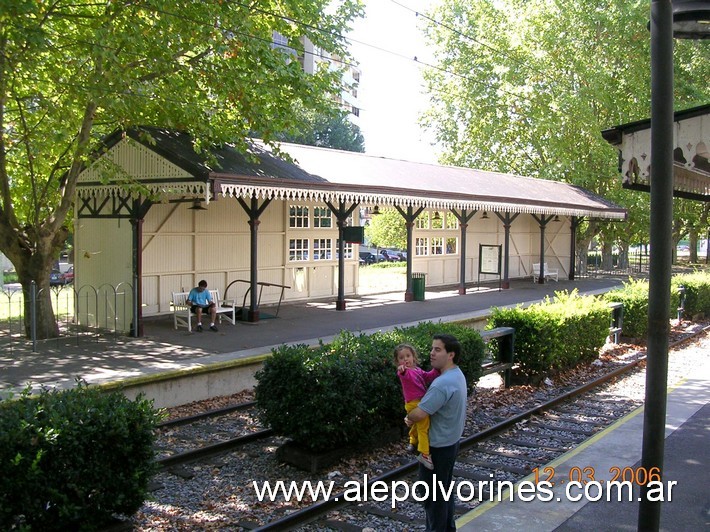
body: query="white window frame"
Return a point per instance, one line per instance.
(322, 248)
(298, 249)
(421, 246)
(321, 215)
(298, 217)
(456, 245)
(422, 221)
(436, 244)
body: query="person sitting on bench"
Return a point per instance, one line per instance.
(200, 301)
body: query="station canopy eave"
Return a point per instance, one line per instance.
(322, 174)
(691, 153)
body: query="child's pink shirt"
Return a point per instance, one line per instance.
(415, 382)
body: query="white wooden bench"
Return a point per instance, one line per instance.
(549, 274)
(182, 315)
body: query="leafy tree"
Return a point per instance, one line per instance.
(73, 71)
(387, 230)
(327, 130)
(526, 86)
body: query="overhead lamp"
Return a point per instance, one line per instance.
(485, 215)
(197, 206)
(375, 211)
(691, 19)
(437, 216)
(556, 218)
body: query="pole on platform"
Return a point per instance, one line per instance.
(654, 423)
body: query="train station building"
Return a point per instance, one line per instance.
(153, 217)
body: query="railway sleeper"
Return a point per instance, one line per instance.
(389, 514)
(572, 419)
(494, 466)
(339, 524)
(571, 430)
(508, 454)
(533, 445)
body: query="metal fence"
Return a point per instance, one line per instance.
(84, 313)
(591, 265)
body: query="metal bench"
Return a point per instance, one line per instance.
(506, 352)
(182, 315)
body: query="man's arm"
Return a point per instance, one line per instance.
(416, 415)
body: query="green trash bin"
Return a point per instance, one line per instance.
(418, 285)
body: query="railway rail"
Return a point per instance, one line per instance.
(506, 450)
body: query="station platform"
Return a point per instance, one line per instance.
(685, 478)
(60, 362)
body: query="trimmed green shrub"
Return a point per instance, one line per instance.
(697, 292)
(347, 392)
(634, 295)
(74, 459)
(554, 335)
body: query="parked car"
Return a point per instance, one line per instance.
(68, 275)
(56, 278)
(389, 256)
(367, 258)
(394, 255)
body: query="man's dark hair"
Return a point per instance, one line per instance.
(451, 344)
(202, 283)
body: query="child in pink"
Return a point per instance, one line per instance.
(415, 382)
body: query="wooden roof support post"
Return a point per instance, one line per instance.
(507, 220)
(341, 214)
(463, 217)
(254, 211)
(409, 216)
(574, 224)
(542, 220)
(138, 211)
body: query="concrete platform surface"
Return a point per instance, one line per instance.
(58, 363)
(687, 457)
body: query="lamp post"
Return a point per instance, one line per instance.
(691, 18)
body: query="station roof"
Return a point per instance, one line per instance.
(334, 175)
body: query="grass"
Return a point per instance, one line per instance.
(387, 277)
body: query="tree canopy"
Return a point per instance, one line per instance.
(526, 86)
(387, 230)
(73, 71)
(327, 130)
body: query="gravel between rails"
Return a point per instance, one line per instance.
(219, 495)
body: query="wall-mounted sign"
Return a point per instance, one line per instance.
(489, 258)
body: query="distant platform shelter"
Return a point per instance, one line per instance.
(691, 153)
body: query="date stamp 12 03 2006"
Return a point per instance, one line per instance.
(616, 484)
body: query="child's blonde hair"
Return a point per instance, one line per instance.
(402, 347)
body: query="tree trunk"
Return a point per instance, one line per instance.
(607, 257)
(33, 253)
(623, 262)
(693, 237)
(41, 306)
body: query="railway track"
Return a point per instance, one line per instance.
(209, 433)
(507, 449)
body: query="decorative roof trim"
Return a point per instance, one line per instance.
(381, 198)
(162, 190)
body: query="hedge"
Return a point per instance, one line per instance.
(634, 295)
(74, 459)
(554, 335)
(347, 392)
